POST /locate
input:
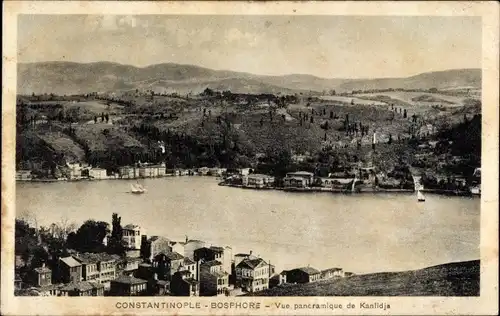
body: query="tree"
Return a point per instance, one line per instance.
(115, 244)
(390, 139)
(95, 119)
(405, 114)
(312, 119)
(89, 237)
(107, 117)
(331, 114)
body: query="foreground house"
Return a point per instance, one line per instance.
(70, 270)
(167, 264)
(220, 254)
(132, 236)
(42, 276)
(155, 245)
(252, 275)
(214, 281)
(97, 267)
(183, 284)
(82, 288)
(303, 275)
(128, 286)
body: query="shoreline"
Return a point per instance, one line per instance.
(267, 188)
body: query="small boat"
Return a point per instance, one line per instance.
(420, 196)
(137, 189)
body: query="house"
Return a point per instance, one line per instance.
(128, 172)
(332, 273)
(214, 281)
(303, 275)
(160, 170)
(158, 287)
(70, 270)
(132, 236)
(98, 173)
(299, 179)
(183, 284)
(191, 245)
(258, 180)
(203, 171)
(145, 271)
(348, 274)
(215, 253)
(42, 276)
(130, 265)
(190, 266)
(245, 171)
(126, 285)
(218, 172)
(177, 246)
(154, 245)
(277, 279)
(242, 256)
(252, 275)
(82, 288)
(18, 282)
(97, 267)
(23, 175)
(74, 171)
(168, 263)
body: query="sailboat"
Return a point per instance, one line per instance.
(137, 189)
(420, 196)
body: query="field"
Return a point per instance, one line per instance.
(453, 279)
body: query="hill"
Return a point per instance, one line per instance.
(447, 79)
(75, 78)
(452, 279)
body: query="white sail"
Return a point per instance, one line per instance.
(420, 196)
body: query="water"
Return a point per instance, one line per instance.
(361, 233)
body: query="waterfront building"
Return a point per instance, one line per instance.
(303, 275)
(132, 236)
(299, 179)
(258, 180)
(203, 171)
(183, 284)
(70, 270)
(126, 285)
(42, 276)
(332, 273)
(23, 175)
(82, 288)
(97, 267)
(214, 281)
(74, 171)
(98, 173)
(127, 172)
(252, 275)
(154, 245)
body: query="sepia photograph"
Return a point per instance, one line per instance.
(248, 155)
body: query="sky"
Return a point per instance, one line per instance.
(324, 46)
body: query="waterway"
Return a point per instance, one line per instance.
(360, 233)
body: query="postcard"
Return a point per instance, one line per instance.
(250, 158)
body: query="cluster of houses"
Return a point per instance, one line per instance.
(158, 266)
(83, 171)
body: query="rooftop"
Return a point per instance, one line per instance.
(212, 263)
(131, 227)
(88, 258)
(308, 270)
(42, 270)
(81, 286)
(71, 262)
(126, 279)
(259, 175)
(188, 261)
(331, 269)
(217, 249)
(251, 263)
(300, 173)
(171, 255)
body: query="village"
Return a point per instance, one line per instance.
(153, 266)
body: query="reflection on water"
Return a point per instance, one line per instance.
(360, 233)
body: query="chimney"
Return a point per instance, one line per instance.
(250, 252)
(186, 238)
(43, 264)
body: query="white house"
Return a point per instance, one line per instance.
(132, 236)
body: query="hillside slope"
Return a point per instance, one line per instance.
(452, 279)
(74, 78)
